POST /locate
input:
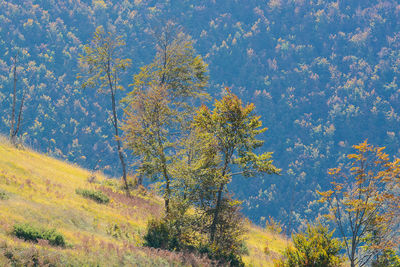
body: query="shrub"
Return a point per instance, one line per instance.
(315, 247)
(229, 246)
(267, 250)
(273, 226)
(32, 233)
(171, 234)
(120, 231)
(97, 196)
(223, 257)
(3, 195)
(387, 259)
(158, 235)
(92, 179)
(132, 182)
(167, 234)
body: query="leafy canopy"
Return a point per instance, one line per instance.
(177, 66)
(147, 121)
(364, 204)
(234, 128)
(102, 62)
(161, 105)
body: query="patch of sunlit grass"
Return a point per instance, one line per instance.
(263, 246)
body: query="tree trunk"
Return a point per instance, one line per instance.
(352, 258)
(140, 180)
(167, 194)
(115, 123)
(12, 135)
(19, 116)
(216, 213)
(213, 227)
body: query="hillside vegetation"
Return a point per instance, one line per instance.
(42, 192)
(323, 74)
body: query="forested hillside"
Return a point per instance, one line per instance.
(322, 74)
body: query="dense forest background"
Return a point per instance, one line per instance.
(323, 75)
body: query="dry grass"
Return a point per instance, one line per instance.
(263, 246)
(40, 190)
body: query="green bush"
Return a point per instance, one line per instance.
(387, 259)
(169, 235)
(97, 196)
(32, 233)
(228, 246)
(3, 195)
(315, 247)
(224, 258)
(158, 235)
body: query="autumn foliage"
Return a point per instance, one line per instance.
(363, 202)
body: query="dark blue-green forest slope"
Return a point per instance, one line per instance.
(323, 74)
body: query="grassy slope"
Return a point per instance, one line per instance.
(41, 191)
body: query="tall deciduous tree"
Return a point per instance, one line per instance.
(362, 203)
(220, 141)
(148, 118)
(233, 129)
(103, 65)
(176, 79)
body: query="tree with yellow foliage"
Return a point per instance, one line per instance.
(161, 105)
(102, 67)
(233, 129)
(363, 203)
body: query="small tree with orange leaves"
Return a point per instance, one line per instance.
(362, 203)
